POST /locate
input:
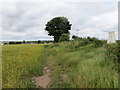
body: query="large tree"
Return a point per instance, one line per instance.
(57, 26)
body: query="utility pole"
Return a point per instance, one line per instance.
(77, 32)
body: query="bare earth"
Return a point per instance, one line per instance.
(44, 80)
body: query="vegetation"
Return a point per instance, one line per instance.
(64, 37)
(15, 42)
(20, 63)
(28, 42)
(75, 37)
(81, 66)
(0, 66)
(80, 63)
(113, 55)
(112, 52)
(57, 26)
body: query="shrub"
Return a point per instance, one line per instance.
(112, 54)
(97, 43)
(38, 41)
(111, 51)
(76, 37)
(18, 42)
(11, 43)
(91, 39)
(24, 41)
(64, 37)
(84, 42)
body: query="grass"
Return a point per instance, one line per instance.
(85, 67)
(73, 64)
(20, 63)
(0, 66)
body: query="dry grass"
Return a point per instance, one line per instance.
(20, 63)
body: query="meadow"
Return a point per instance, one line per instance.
(72, 64)
(81, 66)
(0, 67)
(20, 63)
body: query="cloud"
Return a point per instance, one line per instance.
(61, 1)
(26, 21)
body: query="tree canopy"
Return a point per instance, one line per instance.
(57, 26)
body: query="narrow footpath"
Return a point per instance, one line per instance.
(44, 80)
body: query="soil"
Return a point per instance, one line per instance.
(44, 80)
(64, 77)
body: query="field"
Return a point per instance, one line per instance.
(71, 64)
(81, 67)
(21, 63)
(0, 66)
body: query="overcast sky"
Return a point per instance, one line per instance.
(26, 20)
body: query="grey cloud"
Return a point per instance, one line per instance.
(30, 18)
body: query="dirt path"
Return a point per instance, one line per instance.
(44, 80)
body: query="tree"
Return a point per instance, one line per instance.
(64, 37)
(24, 41)
(39, 41)
(75, 37)
(11, 43)
(57, 26)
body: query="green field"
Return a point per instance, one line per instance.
(71, 65)
(81, 67)
(20, 63)
(0, 67)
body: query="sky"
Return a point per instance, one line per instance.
(26, 20)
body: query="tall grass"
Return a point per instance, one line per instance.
(0, 66)
(20, 63)
(85, 66)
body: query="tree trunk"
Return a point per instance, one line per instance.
(56, 38)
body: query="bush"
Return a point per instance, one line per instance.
(38, 41)
(64, 37)
(84, 42)
(14, 43)
(71, 46)
(98, 43)
(18, 42)
(113, 55)
(11, 43)
(76, 37)
(111, 52)
(75, 45)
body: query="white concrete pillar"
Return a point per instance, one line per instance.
(111, 37)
